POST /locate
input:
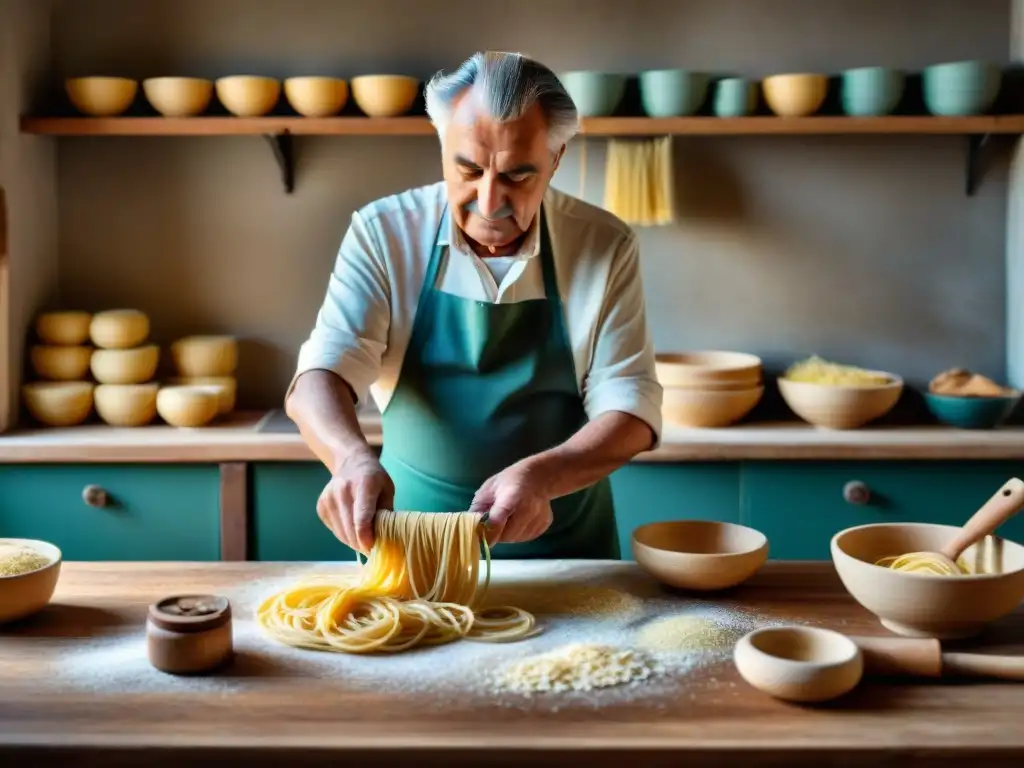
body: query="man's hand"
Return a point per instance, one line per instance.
(359, 487)
(516, 503)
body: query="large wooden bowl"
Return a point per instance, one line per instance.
(700, 555)
(27, 593)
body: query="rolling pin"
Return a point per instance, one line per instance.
(924, 657)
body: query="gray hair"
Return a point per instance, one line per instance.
(506, 85)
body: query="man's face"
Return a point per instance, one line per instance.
(496, 173)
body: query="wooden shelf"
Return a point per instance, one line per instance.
(596, 126)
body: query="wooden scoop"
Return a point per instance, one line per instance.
(924, 657)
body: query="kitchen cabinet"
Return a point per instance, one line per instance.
(115, 511)
(799, 506)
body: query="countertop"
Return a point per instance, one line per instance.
(75, 689)
(270, 436)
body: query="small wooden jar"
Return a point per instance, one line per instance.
(189, 634)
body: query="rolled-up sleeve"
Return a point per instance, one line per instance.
(351, 330)
(622, 375)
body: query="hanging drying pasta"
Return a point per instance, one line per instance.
(639, 181)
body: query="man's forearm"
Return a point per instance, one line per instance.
(594, 452)
(323, 407)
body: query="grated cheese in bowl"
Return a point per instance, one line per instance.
(15, 561)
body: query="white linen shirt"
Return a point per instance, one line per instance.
(364, 326)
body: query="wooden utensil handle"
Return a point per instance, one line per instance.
(1005, 503)
(983, 665)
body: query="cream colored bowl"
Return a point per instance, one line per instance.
(316, 96)
(101, 96)
(922, 605)
(59, 403)
(27, 593)
(125, 366)
(205, 355)
(698, 554)
(708, 407)
(248, 95)
(67, 329)
(714, 368)
(187, 406)
(795, 95)
(226, 388)
(385, 95)
(119, 328)
(833, 406)
(126, 405)
(60, 363)
(178, 96)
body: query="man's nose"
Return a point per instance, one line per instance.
(489, 197)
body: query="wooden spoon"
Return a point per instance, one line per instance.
(924, 657)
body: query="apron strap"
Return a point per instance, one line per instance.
(547, 262)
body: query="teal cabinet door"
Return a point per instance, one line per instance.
(799, 506)
(284, 523)
(137, 511)
(653, 492)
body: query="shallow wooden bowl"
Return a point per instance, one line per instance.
(248, 95)
(101, 96)
(795, 95)
(178, 96)
(697, 407)
(385, 95)
(316, 96)
(699, 554)
(707, 367)
(832, 406)
(27, 593)
(923, 605)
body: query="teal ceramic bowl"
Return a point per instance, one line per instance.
(971, 412)
(595, 94)
(872, 91)
(961, 88)
(735, 97)
(672, 92)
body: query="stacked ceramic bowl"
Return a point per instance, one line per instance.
(206, 385)
(709, 388)
(62, 395)
(125, 366)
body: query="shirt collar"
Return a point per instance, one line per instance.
(449, 234)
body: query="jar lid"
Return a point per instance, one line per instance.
(190, 613)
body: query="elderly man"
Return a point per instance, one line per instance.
(499, 326)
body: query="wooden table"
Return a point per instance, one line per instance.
(271, 719)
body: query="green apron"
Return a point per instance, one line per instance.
(482, 386)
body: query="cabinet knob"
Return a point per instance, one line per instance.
(95, 496)
(856, 492)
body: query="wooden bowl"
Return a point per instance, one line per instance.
(125, 366)
(59, 403)
(692, 407)
(795, 95)
(205, 355)
(226, 388)
(248, 95)
(699, 555)
(833, 406)
(55, 363)
(714, 367)
(27, 593)
(316, 96)
(923, 605)
(101, 96)
(802, 664)
(385, 95)
(119, 328)
(178, 96)
(65, 329)
(187, 406)
(126, 405)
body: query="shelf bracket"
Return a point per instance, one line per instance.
(284, 154)
(976, 144)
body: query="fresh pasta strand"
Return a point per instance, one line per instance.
(420, 585)
(924, 562)
(640, 182)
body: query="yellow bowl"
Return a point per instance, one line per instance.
(795, 95)
(126, 405)
(125, 366)
(922, 605)
(832, 406)
(101, 96)
(187, 406)
(66, 329)
(27, 593)
(708, 367)
(119, 328)
(205, 355)
(692, 407)
(385, 95)
(178, 96)
(59, 403)
(226, 388)
(60, 363)
(248, 95)
(701, 555)
(316, 96)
